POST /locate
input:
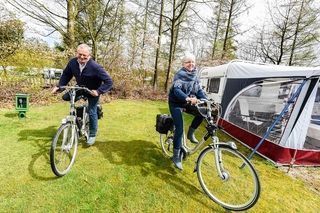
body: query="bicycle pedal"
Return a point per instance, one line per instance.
(195, 169)
(184, 153)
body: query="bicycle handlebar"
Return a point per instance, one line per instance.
(202, 101)
(206, 107)
(76, 88)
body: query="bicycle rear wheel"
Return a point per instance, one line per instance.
(238, 189)
(166, 142)
(64, 149)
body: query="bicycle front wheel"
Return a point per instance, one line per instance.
(166, 142)
(237, 187)
(64, 149)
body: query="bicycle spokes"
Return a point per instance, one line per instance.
(225, 182)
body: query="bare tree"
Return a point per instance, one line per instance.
(292, 36)
(92, 19)
(59, 15)
(233, 9)
(216, 27)
(178, 8)
(305, 32)
(133, 36)
(112, 45)
(145, 29)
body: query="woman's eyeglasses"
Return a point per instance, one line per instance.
(188, 62)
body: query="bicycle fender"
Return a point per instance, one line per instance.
(196, 166)
(229, 144)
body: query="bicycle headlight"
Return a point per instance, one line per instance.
(232, 145)
(63, 121)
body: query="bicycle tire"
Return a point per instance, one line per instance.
(240, 188)
(63, 151)
(166, 142)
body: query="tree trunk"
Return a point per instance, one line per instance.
(293, 47)
(155, 76)
(94, 50)
(172, 36)
(144, 35)
(226, 37)
(71, 17)
(214, 45)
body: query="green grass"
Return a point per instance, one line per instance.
(124, 171)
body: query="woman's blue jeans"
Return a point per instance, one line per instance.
(176, 113)
(92, 111)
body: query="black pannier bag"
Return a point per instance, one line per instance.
(99, 111)
(164, 123)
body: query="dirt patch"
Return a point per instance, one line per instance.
(309, 175)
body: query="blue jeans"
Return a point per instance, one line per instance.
(93, 115)
(176, 113)
(92, 111)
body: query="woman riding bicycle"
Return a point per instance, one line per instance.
(184, 92)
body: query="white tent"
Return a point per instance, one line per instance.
(278, 105)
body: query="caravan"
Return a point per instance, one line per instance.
(275, 106)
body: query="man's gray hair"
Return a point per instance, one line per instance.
(84, 46)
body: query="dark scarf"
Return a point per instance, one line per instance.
(187, 81)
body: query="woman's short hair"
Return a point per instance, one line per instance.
(188, 57)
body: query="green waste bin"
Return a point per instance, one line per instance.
(22, 104)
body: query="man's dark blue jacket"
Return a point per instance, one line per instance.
(93, 76)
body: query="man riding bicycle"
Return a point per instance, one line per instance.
(90, 74)
(185, 89)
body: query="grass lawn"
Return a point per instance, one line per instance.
(124, 171)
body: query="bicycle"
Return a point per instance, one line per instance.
(65, 142)
(226, 176)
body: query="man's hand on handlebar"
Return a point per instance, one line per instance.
(94, 93)
(55, 90)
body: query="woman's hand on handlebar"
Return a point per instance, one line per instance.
(192, 101)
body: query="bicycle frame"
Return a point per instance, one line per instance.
(73, 114)
(64, 145)
(215, 144)
(211, 129)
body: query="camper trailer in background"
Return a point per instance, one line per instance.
(51, 76)
(253, 96)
